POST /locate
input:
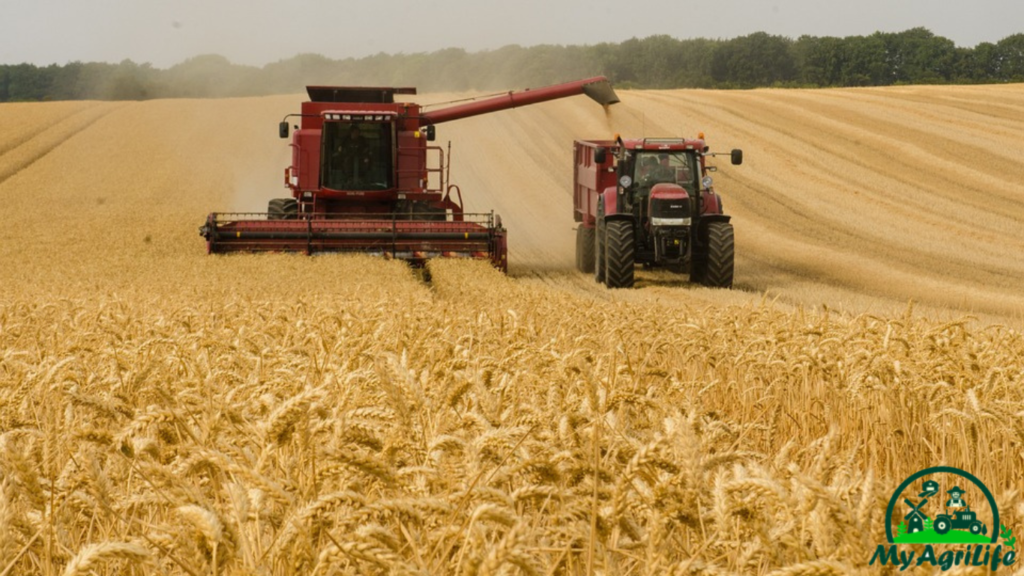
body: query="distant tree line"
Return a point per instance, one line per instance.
(915, 56)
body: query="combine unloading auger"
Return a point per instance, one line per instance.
(363, 178)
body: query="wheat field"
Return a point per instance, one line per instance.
(167, 412)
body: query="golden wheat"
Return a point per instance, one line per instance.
(338, 415)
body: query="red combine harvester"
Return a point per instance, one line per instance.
(364, 179)
(651, 202)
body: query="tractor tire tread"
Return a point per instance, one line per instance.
(585, 249)
(620, 260)
(721, 255)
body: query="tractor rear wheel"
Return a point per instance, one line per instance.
(585, 249)
(619, 248)
(942, 524)
(282, 209)
(599, 251)
(721, 254)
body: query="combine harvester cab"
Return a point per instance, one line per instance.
(365, 178)
(652, 202)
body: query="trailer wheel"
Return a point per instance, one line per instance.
(619, 249)
(585, 249)
(718, 270)
(599, 251)
(282, 209)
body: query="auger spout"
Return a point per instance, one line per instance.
(598, 89)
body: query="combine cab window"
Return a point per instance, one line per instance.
(357, 156)
(673, 167)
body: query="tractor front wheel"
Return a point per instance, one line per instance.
(619, 262)
(721, 253)
(975, 528)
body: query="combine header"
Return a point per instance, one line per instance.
(363, 178)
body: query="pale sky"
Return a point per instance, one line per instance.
(255, 32)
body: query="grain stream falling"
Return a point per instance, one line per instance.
(167, 412)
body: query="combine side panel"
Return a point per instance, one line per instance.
(306, 159)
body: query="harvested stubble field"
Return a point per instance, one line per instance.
(167, 412)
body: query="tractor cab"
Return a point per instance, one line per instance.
(657, 185)
(664, 167)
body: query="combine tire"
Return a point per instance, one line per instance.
(619, 249)
(721, 252)
(599, 251)
(585, 249)
(282, 209)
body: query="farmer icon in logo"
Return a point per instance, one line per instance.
(955, 500)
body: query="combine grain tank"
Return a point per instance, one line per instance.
(365, 178)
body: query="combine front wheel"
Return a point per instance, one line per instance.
(620, 254)
(282, 209)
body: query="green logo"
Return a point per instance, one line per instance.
(949, 507)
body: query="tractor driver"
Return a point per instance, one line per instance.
(655, 170)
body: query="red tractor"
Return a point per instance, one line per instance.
(651, 202)
(363, 178)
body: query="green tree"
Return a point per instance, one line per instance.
(917, 56)
(1010, 59)
(755, 60)
(865, 62)
(821, 61)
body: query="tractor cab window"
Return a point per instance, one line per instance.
(675, 167)
(357, 155)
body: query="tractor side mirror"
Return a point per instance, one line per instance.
(737, 157)
(600, 155)
(430, 133)
(282, 129)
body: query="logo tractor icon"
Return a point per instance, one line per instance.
(960, 519)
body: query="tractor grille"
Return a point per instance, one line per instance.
(670, 212)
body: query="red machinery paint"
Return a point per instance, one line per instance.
(364, 178)
(650, 201)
